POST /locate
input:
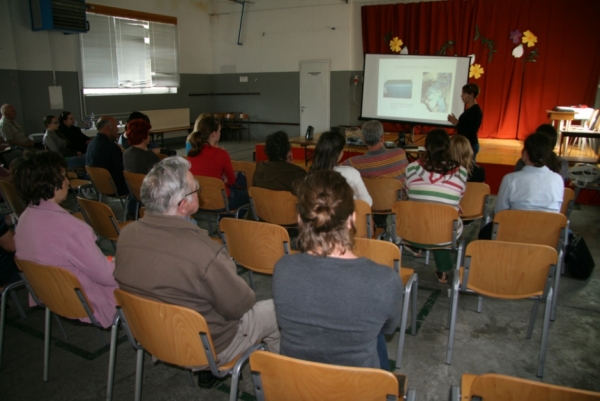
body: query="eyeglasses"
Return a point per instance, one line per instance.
(198, 189)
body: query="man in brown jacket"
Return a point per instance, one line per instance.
(165, 256)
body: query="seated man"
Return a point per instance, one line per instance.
(378, 162)
(165, 256)
(10, 130)
(278, 173)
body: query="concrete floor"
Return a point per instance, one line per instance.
(491, 341)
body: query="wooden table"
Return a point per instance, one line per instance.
(577, 133)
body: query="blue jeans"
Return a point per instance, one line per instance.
(384, 362)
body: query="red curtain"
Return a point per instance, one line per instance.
(514, 94)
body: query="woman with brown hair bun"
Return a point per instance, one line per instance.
(331, 305)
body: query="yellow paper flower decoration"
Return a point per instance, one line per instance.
(529, 38)
(475, 71)
(396, 44)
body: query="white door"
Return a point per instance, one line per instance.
(314, 95)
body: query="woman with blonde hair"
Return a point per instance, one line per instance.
(462, 152)
(331, 305)
(188, 140)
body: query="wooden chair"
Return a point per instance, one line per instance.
(568, 202)
(213, 200)
(534, 227)
(61, 293)
(277, 377)
(385, 192)
(388, 254)
(240, 120)
(248, 168)
(276, 207)
(428, 224)
(12, 198)
(364, 220)
(228, 128)
(105, 185)
(255, 245)
(495, 387)
(134, 183)
(102, 219)
(171, 333)
(4, 291)
(510, 271)
(474, 203)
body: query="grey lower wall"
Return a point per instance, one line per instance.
(272, 98)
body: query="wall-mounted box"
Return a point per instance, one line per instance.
(66, 16)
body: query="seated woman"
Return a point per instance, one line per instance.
(138, 158)
(278, 173)
(328, 153)
(49, 235)
(331, 305)
(556, 163)
(437, 178)
(56, 142)
(462, 152)
(78, 140)
(188, 140)
(209, 160)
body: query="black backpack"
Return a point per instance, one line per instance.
(578, 258)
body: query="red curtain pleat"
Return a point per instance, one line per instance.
(514, 94)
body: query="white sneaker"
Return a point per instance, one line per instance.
(89, 193)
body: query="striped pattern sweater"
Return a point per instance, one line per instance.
(380, 163)
(433, 187)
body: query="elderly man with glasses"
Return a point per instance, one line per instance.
(167, 257)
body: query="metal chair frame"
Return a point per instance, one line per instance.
(9, 288)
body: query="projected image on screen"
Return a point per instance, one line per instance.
(435, 91)
(413, 89)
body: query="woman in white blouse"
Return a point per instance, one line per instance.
(328, 153)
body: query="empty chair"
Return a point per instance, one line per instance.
(213, 199)
(474, 203)
(533, 227)
(247, 168)
(385, 192)
(11, 197)
(171, 333)
(134, 183)
(255, 245)
(61, 293)
(495, 387)
(508, 271)
(240, 120)
(102, 219)
(105, 185)
(388, 254)
(363, 223)
(276, 207)
(277, 377)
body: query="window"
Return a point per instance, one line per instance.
(126, 55)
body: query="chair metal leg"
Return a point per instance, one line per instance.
(479, 303)
(101, 336)
(60, 326)
(532, 319)
(112, 357)
(237, 368)
(427, 257)
(47, 344)
(405, 301)
(540, 371)
(15, 299)
(139, 373)
(251, 279)
(414, 289)
(2, 317)
(453, 310)
(191, 378)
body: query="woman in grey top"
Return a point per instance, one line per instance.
(332, 305)
(57, 142)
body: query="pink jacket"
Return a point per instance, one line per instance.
(49, 235)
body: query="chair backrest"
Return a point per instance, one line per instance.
(248, 168)
(424, 222)
(493, 387)
(285, 378)
(213, 195)
(11, 196)
(507, 269)
(383, 252)
(168, 332)
(529, 227)
(568, 200)
(254, 244)
(364, 219)
(55, 287)
(384, 191)
(277, 207)
(473, 201)
(134, 183)
(102, 180)
(101, 217)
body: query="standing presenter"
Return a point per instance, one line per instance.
(469, 122)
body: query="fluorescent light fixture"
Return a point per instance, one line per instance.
(128, 91)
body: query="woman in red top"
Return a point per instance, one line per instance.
(209, 160)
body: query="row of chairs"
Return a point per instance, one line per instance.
(233, 124)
